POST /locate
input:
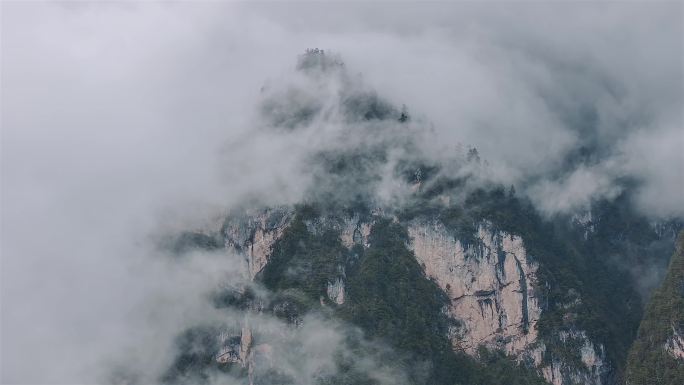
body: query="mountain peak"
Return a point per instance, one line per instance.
(314, 59)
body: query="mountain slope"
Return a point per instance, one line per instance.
(657, 356)
(429, 272)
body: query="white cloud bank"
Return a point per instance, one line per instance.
(115, 113)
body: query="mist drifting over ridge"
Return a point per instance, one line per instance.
(121, 119)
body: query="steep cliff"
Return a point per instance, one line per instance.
(491, 283)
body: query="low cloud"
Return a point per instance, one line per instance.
(574, 192)
(121, 119)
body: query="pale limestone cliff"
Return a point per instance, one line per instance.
(253, 236)
(490, 283)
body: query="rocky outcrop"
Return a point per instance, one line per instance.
(238, 349)
(355, 232)
(490, 283)
(245, 345)
(235, 347)
(335, 291)
(352, 229)
(675, 344)
(254, 234)
(592, 368)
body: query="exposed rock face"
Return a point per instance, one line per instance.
(355, 232)
(245, 345)
(253, 236)
(237, 348)
(593, 359)
(490, 283)
(335, 291)
(593, 371)
(234, 346)
(675, 344)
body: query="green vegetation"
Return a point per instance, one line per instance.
(388, 296)
(584, 284)
(304, 261)
(195, 362)
(584, 279)
(583, 288)
(392, 300)
(649, 362)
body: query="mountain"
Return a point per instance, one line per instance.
(657, 356)
(399, 265)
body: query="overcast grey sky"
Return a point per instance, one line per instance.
(119, 118)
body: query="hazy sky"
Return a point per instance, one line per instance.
(119, 118)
